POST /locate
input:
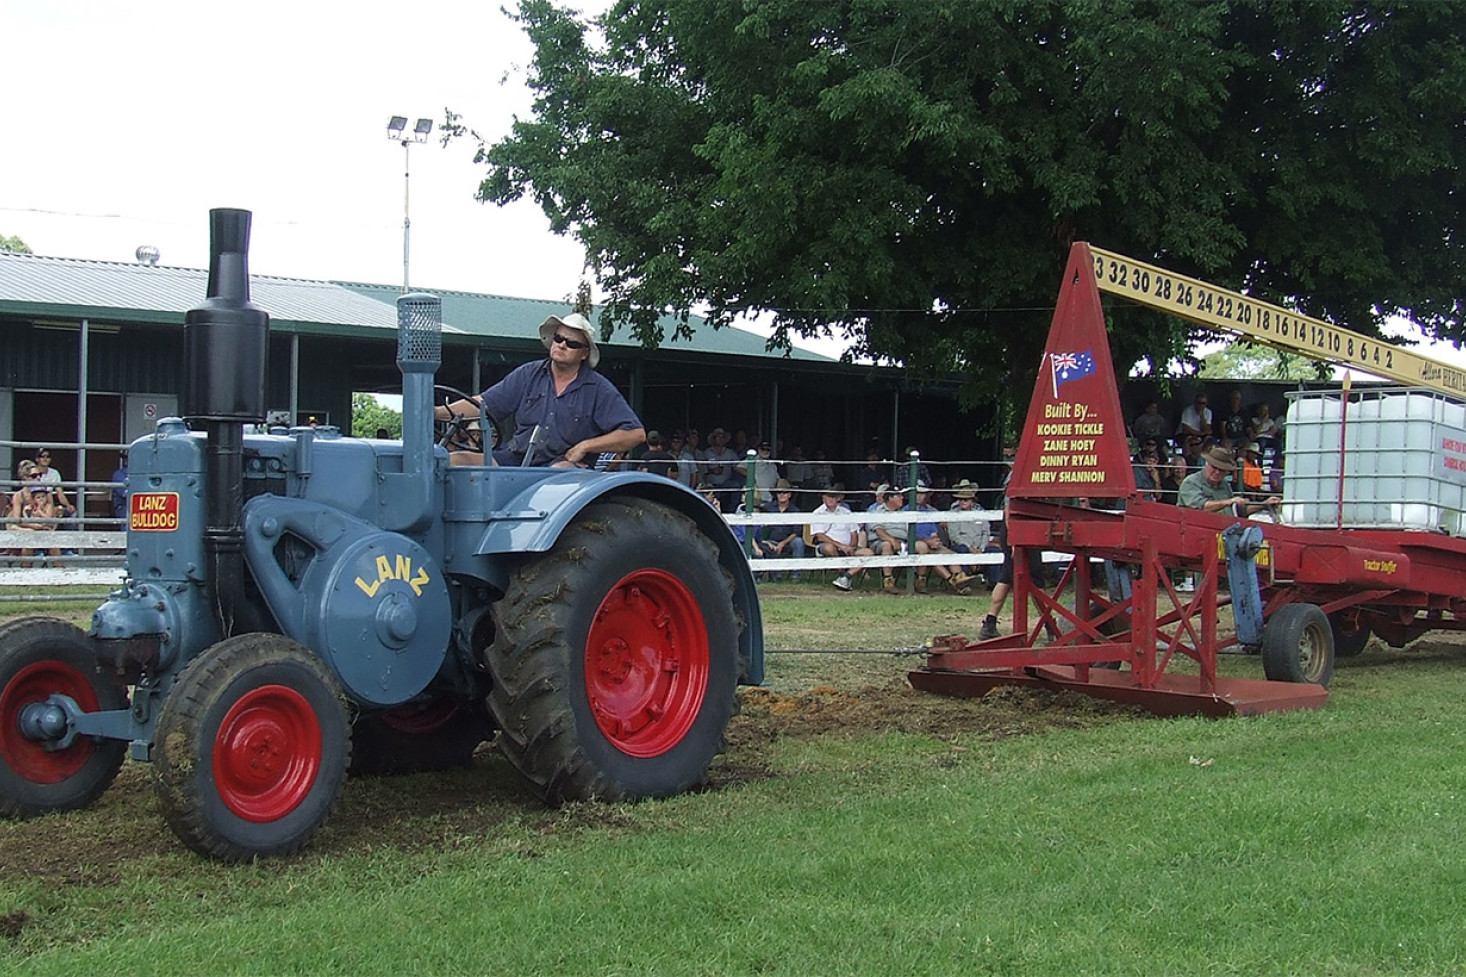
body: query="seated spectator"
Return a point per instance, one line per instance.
(710, 494)
(1234, 423)
(1264, 428)
(33, 506)
(1149, 423)
(1148, 467)
(821, 472)
(1196, 420)
(967, 537)
(836, 539)
(887, 538)
(782, 539)
(929, 537)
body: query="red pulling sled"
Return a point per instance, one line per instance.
(1299, 596)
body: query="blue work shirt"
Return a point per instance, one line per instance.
(590, 406)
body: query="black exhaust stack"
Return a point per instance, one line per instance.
(226, 343)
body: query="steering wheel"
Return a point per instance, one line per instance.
(457, 433)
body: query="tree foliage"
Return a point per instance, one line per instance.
(13, 244)
(368, 416)
(1253, 361)
(913, 174)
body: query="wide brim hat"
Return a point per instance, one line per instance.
(964, 490)
(1219, 457)
(574, 321)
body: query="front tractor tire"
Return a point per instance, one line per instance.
(41, 657)
(615, 663)
(252, 748)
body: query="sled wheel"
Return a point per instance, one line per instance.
(615, 662)
(252, 748)
(40, 657)
(1298, 645)
(436, 735)
(1351, 634)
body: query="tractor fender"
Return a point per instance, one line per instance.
(532, 520)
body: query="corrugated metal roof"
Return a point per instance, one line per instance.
(42, 286)
(71, 288)
(503, 317)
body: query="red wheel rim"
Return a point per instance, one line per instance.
(646, 663)
(267, 753)
(30, 758)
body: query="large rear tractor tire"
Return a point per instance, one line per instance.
(615, 663)
(440, 734)
(1298, 645)
(252, 748)
(41, 657)
(1350, 634)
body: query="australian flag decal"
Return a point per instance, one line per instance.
(1070, 366)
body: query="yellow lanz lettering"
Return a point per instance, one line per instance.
(400, 570)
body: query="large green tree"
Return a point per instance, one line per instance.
(13, 244)
(913, 173)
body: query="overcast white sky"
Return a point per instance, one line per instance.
(126, 123)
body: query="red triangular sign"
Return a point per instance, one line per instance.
(1073, 443)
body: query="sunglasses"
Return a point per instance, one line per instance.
(571, 343)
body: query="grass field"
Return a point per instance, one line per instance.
(855, 827)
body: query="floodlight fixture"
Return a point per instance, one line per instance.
(397, 132)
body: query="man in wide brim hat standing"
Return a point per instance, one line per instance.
(1211, 489)
(581, 414)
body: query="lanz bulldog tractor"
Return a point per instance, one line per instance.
(300, 604)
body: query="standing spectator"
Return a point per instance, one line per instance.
(869, 478)
(119, 487)
(1149, 423)
(1196, 420)
(657, 460)
(797, 470)
(1252, 479)
(721, 468)
(1235, 423)
(51, 477)
(684, 449)
(821, 472)
(765, 474)
(782, 539)
(837, 538)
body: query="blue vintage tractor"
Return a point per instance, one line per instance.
(301, 604)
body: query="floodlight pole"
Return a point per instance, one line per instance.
(397, 131)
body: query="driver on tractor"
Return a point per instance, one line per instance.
(581, 414)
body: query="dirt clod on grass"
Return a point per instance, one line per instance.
(486, 800)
